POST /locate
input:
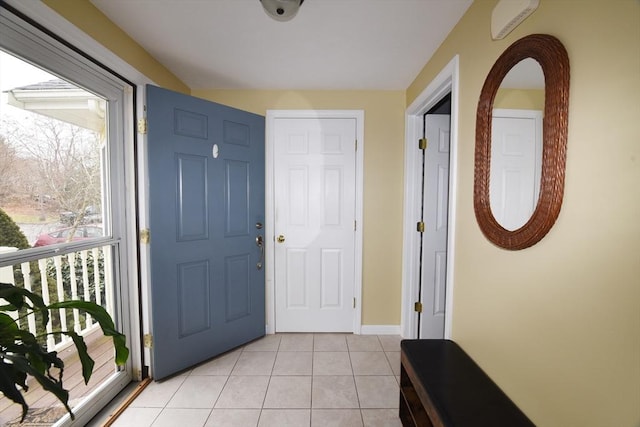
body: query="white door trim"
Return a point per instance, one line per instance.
(272, 115)
(446, 81)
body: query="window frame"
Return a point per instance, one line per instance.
(21, 36)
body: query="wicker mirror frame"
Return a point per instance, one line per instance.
(553, 58)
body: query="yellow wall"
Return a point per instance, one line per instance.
(557, 325)
(383, 180)
(89, 19)
(521, 99)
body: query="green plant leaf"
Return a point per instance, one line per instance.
(103, 318)
(8, 326)
(41, 359)
(21, 354)
(9, 377)
(48, 382)
(17, 341)
(85, 359)
(16, 298)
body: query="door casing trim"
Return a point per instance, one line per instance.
(272, 115)
(446, 81)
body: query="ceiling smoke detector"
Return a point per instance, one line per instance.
(281, 10)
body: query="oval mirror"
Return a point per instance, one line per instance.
(492, 191)
(516, 145)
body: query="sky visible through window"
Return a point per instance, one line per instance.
(14, 73)
(52, 138)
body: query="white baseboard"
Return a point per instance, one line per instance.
(380, 330)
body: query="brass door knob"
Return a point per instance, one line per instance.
(281, 239)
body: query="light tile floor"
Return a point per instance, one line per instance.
(281, 380)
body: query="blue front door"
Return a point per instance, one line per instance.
(206, 201)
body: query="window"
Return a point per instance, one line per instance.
(53, 156)
(66, 158)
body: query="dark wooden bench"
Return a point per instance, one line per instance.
(440, 385)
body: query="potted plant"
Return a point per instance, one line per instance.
(21, 353)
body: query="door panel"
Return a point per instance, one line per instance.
(193, 217)
(434, 238)
(206, 193)
(193, 297)
(315, 213)
(237, 182)
(331, 283)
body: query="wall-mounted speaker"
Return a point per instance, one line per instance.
(508, 14)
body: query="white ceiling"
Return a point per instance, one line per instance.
(330, 44)
(526, 74)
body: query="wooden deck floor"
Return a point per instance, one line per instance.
(44, 407)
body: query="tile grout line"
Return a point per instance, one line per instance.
(222, 389)
(355, 385)
(313, 342)
(269, 382)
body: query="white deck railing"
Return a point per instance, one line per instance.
(82, 275)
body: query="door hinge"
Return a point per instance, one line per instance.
(420, 226)
(422, 143)
(354, 303)
(145, 236)
(142, 126)
(417, 306)
(355, 225)
(356, 145)
(148, 341)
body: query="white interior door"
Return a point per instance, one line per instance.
(315, 199)
(435, 217)
(516, 156)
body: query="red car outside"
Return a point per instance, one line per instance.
(64, 235)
